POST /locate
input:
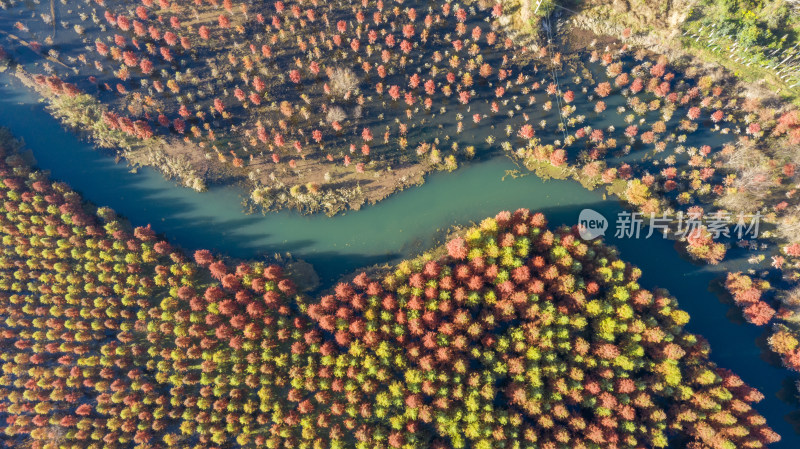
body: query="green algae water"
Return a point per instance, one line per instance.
(403, 225)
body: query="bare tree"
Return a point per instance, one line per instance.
(791, 298)
(789, 228)
(343, 80)
(55, 437)
(753, 180)
(335, 114)
(745, 155)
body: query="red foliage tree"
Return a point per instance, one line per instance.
(457, 248)
(203, 257)
(170, 38)
(759, 313)
(603, 89)
(637, 86)
(129, 59)
(146, 66)
(224, 21)
(789, 124)
(219, 106)
(558, 157)
(526, 131)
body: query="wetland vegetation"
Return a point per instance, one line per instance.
(505, 334)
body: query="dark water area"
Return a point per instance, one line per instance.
(404, 225)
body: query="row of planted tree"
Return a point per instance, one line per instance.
(511, 336)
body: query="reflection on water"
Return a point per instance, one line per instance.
(401, 226)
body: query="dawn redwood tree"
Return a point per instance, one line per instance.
(146, 66)
(526, 131)
(430, 87)
(637, 86)
(558, 157)
(366, 134)
(603, 89)
(599, 107)
(102, 48)
(170, 38)
(219, 106)
(129, 59)
(224, 21)
(788, 124)
(166, 54)
(123, 23)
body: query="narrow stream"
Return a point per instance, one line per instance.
(401, 226)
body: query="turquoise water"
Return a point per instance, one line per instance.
(401, 226)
